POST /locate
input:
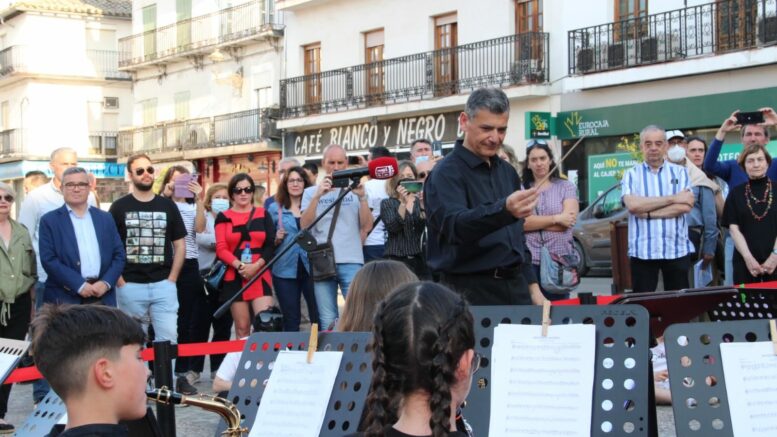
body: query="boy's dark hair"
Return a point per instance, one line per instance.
(380, 152)
(67, 339)
(420, 333)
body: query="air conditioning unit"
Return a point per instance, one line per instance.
(615, 55)
(111, 103)
(585, 59)
(767, 30)
(648, 50)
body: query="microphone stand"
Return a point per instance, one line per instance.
(303, 238)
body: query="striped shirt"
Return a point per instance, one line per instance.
(665, 238)
(188, 214)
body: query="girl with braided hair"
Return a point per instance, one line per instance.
(423, 363)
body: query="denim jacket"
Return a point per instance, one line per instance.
(286, 267)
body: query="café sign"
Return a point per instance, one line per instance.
(361, 136)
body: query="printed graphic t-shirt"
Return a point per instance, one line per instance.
(148, 230)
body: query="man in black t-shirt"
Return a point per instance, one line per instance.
(153, 233)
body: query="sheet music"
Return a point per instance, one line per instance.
(297, 394)
(11, 352)
(750, 370)
(542, 386)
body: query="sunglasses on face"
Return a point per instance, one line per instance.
(7, 197)
(244, 190)
(140, 171)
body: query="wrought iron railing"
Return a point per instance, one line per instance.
(510, 60)
(720, 27)
(200, 33)
(39, 60)
(244, 127)
(10, 143)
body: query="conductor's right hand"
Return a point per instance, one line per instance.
(521, 203)
(324, 187)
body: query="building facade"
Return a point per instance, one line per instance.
(65, 90)
(205, 80)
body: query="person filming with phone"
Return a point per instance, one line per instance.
(754, 129)
(405, 221)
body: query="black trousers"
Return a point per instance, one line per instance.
(193, 312)
(487, 290)
(644, 273)
(16, 329)
(417, 264)
(222, 330)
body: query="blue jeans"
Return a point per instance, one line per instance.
(289, 292)
(729, 261)
(326, 293)
(373, 252)
(40, 387)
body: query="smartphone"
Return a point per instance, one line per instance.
(412, 186)
(750, 117)
(181, 185)
(437, 148)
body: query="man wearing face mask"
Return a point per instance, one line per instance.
(702, 219)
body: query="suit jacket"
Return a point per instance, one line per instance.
(60, 258)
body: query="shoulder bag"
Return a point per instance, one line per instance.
(558, 273)
(322, 258)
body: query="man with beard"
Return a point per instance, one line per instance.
(153, 232)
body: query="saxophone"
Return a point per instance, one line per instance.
(226, 409)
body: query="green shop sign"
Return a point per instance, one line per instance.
(540, 125)
(603, 171)
(683, 113)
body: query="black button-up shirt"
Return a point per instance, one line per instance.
(469, 227)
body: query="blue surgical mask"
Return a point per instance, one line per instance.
(219, 205)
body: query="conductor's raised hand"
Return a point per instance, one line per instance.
(521, 203)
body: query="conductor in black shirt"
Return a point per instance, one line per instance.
(475, 212)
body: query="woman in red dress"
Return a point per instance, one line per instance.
(244, 242)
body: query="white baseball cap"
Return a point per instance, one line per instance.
(674, 134)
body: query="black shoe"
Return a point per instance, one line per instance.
(182, 386)
(6, 428)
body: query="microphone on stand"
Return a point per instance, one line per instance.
(379, 168)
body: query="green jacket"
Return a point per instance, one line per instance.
(18, 268)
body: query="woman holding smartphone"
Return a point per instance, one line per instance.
(404, 219)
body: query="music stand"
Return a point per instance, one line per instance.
(621, 338)
(11, 352)
(747, 304)
(351, 385)
(696, 379)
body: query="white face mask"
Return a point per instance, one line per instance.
(676, 153)
(219, 205)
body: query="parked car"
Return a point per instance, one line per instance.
(592, 230)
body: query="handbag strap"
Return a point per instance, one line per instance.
(334, 223)
(245, 235)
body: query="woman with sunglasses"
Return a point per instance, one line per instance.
(556, 211)
(17, 268)
(403, 216)
(291, 273)
(424, 359)
(245, 242)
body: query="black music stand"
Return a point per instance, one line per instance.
(12, 352)
(351, 385)
(621, 335)
(696, 379)
(747, 304)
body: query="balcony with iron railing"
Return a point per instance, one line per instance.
(100, 64)
(507, 61)
(714, 28)
(196, 36)
(236, 128)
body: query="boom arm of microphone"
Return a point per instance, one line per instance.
(302, 238)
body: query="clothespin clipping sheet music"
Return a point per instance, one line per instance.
(542, 371)
(295, 400)
(749, 370)
(11, 352)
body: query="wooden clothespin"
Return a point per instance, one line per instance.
(312, 342)
(773, 329)
(545, 317)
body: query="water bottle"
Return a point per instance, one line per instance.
(245, 257)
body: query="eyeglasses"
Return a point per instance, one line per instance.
(476, 362)
(140, 171)
(296, 181)
(244, 190)
(79, 185)
(7, 197)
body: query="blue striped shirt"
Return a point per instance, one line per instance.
(665, 238)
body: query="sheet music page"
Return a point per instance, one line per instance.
(750, 370)
(12, 352)
(542, 386)
(297, 394)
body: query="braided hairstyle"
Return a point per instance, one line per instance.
(420, 333)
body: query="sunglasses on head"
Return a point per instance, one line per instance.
(244, 190)
(476, 362)
(139, 171)
(7, 197)
(533, 143)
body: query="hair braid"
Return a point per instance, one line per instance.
(379, 399)
(442, 375)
